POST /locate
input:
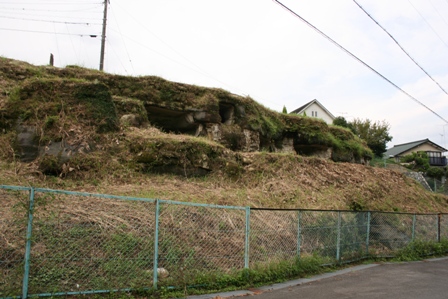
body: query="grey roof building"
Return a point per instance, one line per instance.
(433, 150)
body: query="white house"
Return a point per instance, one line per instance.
(315, 109)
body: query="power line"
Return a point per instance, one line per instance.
(124, 43)
(73, 46)
(48, 10)
(49, 21)
(48, 32)
(390, 35)
(428, 24)
(172, 49)
(358, 59)
(437, 11)
(196, 68)
(52, 16)
(118, 56)
(49, 3)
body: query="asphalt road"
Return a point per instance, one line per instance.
(425, 279)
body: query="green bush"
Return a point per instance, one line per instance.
(420, 161)
(435, 172)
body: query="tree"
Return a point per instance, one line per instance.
(341, 122)
(435, 172)
(376, 134)
(418, 161)
(284, 110)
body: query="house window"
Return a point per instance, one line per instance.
(436, 159)
(314, 113)
(434, 154)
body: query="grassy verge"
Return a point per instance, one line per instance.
(259, 275)
(203, 283)
(284, 271)
(422, 249)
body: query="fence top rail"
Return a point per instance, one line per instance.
(87, 194)
(345, 211)
(17, 188)
(205, 205)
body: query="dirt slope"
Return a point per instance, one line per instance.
(265, 180)
(82, 144)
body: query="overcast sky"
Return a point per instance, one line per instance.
(258, 48)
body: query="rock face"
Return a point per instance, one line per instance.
(43, 112)
(227, 125)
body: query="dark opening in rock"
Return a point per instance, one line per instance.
(172, 120)
(226, 111)
(267, 144)
(27, 142)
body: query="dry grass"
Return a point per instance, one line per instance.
(240, 179)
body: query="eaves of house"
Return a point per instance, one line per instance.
(304, 107)
(405, 147)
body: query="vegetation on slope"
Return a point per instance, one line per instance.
(83, 141)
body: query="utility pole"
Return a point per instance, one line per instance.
(103, 36)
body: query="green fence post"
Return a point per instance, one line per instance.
(29, 229)
(414, 219)
(368, 233)
(338, 241)
(299, 232)
(156, 245)
(246, 241)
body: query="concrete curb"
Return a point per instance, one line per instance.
(296, 282)
(278, 286)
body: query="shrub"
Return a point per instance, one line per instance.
(420, 160)
(435, 172)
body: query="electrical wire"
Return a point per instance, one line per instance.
(49, 3)
(390, 35)
(428, 24)
(49, 21)
(122, 38)
(49, 10)
(437, 11)
(57, 43)
(171, 48)
(196, 68)
(48, 32)
(358, 59)
(118, 56)
(73, 46)
(51, 16)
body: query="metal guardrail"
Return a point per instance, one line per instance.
(55, 242)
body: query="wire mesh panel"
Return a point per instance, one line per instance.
(84, 243)
(13, 224)
(389, 232)
(273, 236)
(319, 233)
(426, 227)
(88, 243)
(444, 226)
(196, 240)
(353, 235)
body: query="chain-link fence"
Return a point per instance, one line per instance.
(436, 185)
(60, 242)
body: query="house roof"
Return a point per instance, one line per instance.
(304, 107)
(401, 148)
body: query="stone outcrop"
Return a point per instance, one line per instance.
(43, 111)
